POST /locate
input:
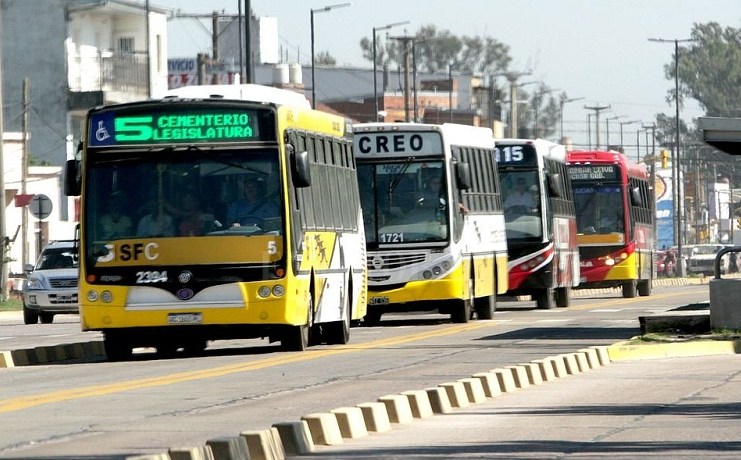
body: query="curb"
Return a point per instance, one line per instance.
(52, 354)
(333, 427)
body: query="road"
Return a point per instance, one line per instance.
(108, 410)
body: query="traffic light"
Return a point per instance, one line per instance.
(664, 158)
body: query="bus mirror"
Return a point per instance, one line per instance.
(301, 170)
(635, 197)
(72, 178)
(463, 176)
(555, 185)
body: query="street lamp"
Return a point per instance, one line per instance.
(375, 77)
(623, 123)
(607, 128)
(676, 179)
(318, 10)
(565, 101)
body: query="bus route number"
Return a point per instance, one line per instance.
(392, 237)
(511, 154)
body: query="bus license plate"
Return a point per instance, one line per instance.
(185, 318)
(379, 301)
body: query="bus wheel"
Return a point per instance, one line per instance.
(461, 309)
(644, 287)
(485, 306)
(629, 289)
(563, 297)
(372, 318)
(338, 332)
(544, 299)
(117, 348)
(296, 338)
(195, 347)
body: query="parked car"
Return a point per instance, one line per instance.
(701, 259)
(50, 287)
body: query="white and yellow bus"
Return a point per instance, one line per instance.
(433, 219)
(169, 257)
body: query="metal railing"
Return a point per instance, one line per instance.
(108, 71)
(719, 256)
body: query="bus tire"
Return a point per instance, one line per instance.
(485, 306)
(338, 332)
(461, 309)
(372, 318)
(296, 338)
(117, 348)
(563, 297)
(545, 300)
(629, 289)
(644, 287)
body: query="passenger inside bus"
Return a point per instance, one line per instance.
(254, 208)
(155, 222)
(115, 224)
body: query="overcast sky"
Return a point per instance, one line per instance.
(595, 49)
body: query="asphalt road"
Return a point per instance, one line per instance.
(112, 410)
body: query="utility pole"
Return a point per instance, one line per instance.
(597, 109)
(512, 78)
(24, 175)
(3, 238)
(652, 127)
(406, 40)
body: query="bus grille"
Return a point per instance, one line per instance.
(391, 261)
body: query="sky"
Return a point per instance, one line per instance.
(597, 50)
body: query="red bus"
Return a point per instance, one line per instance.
(540, 220)
(615, 220)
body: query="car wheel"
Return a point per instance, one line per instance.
(46, 318)
(30, 316)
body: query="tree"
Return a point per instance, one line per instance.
(324, 58)
(710, 69)
(436, 49)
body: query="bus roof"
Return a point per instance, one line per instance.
(246, 92)
(608, 156)
(545, 148)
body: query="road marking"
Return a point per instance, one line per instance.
(25, 402)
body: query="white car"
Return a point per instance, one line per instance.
(50, 287)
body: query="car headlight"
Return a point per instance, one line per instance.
(34, 284)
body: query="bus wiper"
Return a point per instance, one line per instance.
(400, 175)
(220, 160)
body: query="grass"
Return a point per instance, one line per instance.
(11, 304)
(673, 337)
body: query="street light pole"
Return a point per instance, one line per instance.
(677, 181)
(375, 64)
(565, 101)
(623, 123)
(607, 128)
(318, 10)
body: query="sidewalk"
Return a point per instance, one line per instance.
(653, 408)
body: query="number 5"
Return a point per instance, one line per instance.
(272, 247)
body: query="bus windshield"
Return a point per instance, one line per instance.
(177, 194)
(520, 195)
(404, 201)
(599, 209)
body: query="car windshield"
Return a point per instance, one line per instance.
(57, 258)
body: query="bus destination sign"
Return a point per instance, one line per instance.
(109, 128)
(593, 172)
(516, 154)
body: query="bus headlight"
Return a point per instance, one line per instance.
(263, 291)
(436, 270)
(278, 290)
(610, 262)
(106, 296)
(92, 296)
(427, 274)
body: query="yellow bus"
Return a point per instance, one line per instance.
(174, 250)
(434, 221)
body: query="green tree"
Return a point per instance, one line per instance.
(324, 58)
(710, 69)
